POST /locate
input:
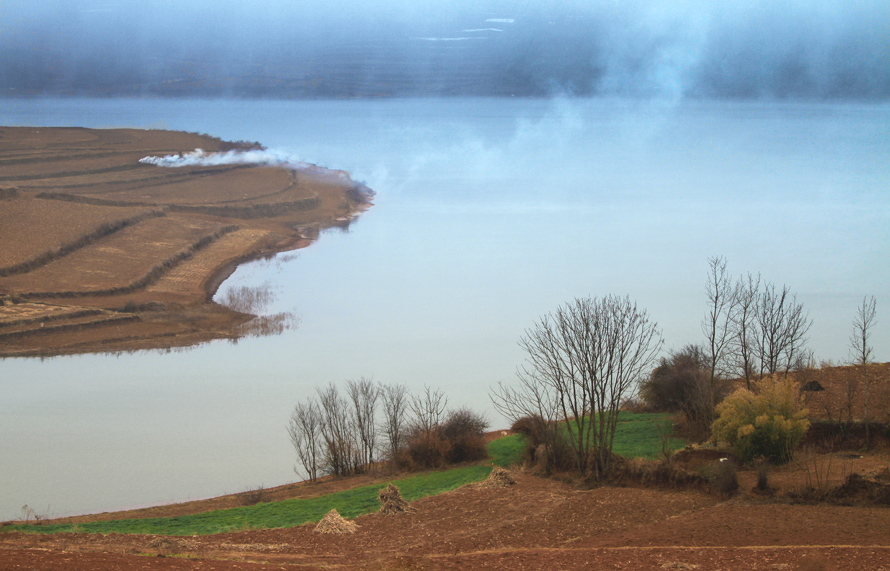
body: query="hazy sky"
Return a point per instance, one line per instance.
(283, 48)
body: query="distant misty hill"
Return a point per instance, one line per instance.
(783, 49)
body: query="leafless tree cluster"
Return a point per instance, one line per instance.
(343, 435)
(751, 328)
(436, 438)
(337, 435)
(581, 361)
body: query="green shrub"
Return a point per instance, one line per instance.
(767, 424)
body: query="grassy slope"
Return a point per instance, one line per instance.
(636, 435)
(286, 513)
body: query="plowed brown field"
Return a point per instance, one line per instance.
(535, 525)
(85, 225)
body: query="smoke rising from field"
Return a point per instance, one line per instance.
(784, 49)
(200, 158)
(260, 157)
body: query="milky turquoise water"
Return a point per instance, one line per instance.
(489, 213)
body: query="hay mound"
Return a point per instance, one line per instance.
(392, 502)
(500, 478)
(333, 522)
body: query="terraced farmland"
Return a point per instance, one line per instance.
(104, 253)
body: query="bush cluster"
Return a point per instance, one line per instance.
(458, 439)
(681, 383)
(768, 424)
(547, 449)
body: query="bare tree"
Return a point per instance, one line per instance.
(395, 408)
(536, 401)
(428, 409)
(364, 394)
(304, 429)
(863, 324)
(341, 455)
(587, 356)
(782, 326)
(747, 291)
(426, 445)
(718, 323)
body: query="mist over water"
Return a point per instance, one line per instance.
(781, 49)
(489, 213)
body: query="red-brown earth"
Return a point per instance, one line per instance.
(536, 524)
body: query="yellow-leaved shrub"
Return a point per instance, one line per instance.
(768, 424)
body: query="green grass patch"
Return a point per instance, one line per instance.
(507, 450)
(286, 513)
(636, 435)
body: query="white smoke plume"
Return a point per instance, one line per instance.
(201, 158)
(265, 157)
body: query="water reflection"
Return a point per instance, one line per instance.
(249, 299)
(268, 325)
(343, 224)
(256, 300)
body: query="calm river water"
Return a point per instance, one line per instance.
(489, 213)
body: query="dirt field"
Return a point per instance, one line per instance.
(87, 227)
(536, 524)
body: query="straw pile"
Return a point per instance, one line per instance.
(500, 478)
(392, 502)
(333, 522)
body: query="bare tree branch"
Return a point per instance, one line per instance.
(747, 291)
(717, 325)
(781, 329)
(395, 408)
(363, 394)
(341, 454)
(863, 323)
(304, 429)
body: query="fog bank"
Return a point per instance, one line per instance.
(785, 49)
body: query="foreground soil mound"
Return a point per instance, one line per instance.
(103, 252)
